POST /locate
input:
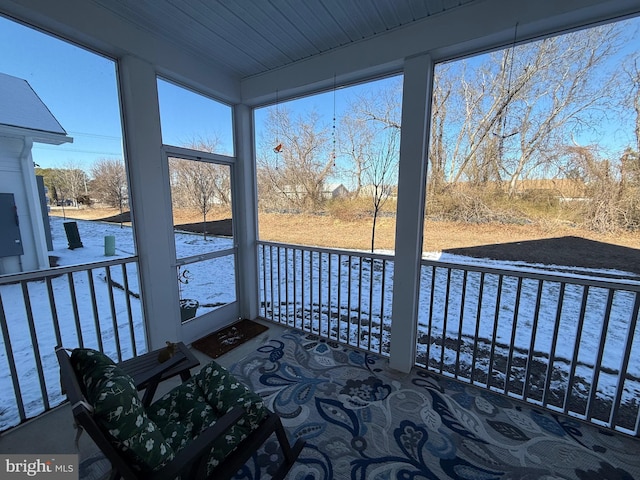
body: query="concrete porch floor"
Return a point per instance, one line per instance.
(53, 432)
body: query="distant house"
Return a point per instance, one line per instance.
(24, 120)
(294, 191)
(369, 190)
(334, 190)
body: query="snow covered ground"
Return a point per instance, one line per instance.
(371, 305)
(350, 298)
(92, 234)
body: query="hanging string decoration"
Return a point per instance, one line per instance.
(333, 131)
(278, 147)
(278, 144)
(503, 125)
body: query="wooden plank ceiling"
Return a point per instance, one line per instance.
(249, 37)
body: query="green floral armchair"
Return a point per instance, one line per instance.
(207, 427)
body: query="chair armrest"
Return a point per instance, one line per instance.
(154, 375)
(147, 372)
(189, 461)
(151, 379)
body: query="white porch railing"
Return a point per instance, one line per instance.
(94, 306)
(563, 342)
(338, 295)
(566, 343)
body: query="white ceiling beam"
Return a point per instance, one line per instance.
(472, 28)
(89, 25)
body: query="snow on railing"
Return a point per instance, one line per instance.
(567, 342)
(93, 305)
(339, 295)
(563, 342)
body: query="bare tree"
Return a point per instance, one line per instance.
(109, 183)
(356, 134)
(200, 185)
(369, 136)
(521, 105)
(381, 172)
(442, 88)
(71, 182)
(382, 106)
(296, 161)
(632, 70)
(603, 207)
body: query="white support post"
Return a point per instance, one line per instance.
(41, 260)
(416, 116)
(150, 198)
(246, 213)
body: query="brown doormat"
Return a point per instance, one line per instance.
(219, 343)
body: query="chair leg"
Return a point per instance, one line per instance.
(290, 452)
(239, 457)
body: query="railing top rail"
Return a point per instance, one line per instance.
(206, 256)
(57, 271)
(335, 251)
(523, 272)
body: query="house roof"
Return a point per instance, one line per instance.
(22, 108)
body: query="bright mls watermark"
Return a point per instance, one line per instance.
(51, 467)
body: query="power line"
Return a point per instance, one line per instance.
(76, 150)
(95, 135)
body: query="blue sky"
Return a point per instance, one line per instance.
(80, 89)
(77, 86)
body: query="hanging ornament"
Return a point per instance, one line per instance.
(278, 147)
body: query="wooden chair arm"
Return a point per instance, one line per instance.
(155, 374)
(147, 372)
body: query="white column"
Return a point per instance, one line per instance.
(245, 218)
(39, 253)
(416, 114)
(150, 199)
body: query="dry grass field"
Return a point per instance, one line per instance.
(547, 243)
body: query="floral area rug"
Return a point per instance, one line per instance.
(362, 420)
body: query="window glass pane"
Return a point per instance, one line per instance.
(78, 164)
(68, 205)
(201, 202)
(194, 121)
(534, 166)
(327, 167)
(538, 141)
(202, 291)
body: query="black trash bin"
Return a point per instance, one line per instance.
(73, 235)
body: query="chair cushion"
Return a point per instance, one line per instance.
(187, 410)
(119, 411)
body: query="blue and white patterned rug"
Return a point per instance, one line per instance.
(363, 421)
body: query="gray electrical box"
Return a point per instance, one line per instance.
(10, 240)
